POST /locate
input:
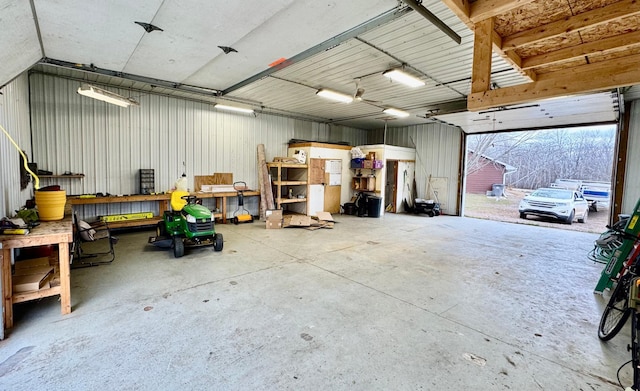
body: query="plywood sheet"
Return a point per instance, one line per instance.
(531, 15)
(32, 282)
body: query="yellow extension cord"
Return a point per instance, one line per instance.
(24, 158)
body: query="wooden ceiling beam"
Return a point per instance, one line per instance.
(600, 76)
(570, 24)
(461, 8)
(485, 9)
(482, 53)
(511, 57)
(618, 42)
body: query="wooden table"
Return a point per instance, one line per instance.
(221, 197)
(163, 204)
(58, 233)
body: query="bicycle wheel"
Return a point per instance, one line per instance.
(635, 347)
(616, 313)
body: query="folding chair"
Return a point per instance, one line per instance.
(92, 241)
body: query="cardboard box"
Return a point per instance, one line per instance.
(273, 214)
(32, 282)
(32, 270)
(273, 224)
(324, 216)
(32, 263)
(274, 218)
(367, 164)
(300, 221)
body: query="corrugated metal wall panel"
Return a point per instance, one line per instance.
(437, 155)
(631, 192)
(14, 118)
(109, 144)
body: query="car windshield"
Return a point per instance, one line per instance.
(553, 193)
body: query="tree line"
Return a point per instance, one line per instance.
(540, 157)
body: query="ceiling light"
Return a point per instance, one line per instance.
(106, 96)
(337, 96)
(396, 112)
(234, 108)
(403, 77)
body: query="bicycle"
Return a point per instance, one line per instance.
(634, 299)
(617, 312)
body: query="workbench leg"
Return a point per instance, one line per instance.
(224, 210)
(163, 206)
(65, 278)
(7, 289)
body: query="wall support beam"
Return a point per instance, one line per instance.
(482, 53)
(599, 76)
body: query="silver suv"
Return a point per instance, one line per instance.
(561, 204)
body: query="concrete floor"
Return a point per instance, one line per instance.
(394, 303)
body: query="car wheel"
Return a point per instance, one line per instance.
(523, 216)
(569, 219)
(583, 219)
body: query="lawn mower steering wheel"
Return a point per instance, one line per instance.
(191, 199)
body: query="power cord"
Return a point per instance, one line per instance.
(618, 374)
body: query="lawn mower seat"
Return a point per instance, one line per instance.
(177, 203)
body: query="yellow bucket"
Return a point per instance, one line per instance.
(51, 204)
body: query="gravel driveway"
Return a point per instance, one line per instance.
(506, 209)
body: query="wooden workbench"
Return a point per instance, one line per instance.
(163, 205)
(58, 233)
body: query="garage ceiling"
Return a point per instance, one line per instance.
(285, 50)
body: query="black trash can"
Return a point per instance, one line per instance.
(349, 208)
(375, 204)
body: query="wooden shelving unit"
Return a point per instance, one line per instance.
(76, 176)
(363, 183)
(290, 178)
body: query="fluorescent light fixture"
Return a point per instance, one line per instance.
(403, 77)
(234, 108)
(333, 95)
(396, 112)
(106, 96)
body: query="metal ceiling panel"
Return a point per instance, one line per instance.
(184, 61)
(19, 42)
(190, 39)
(96, 32)
(302, 25)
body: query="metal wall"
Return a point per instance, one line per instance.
(631, 190)
(108, 144)
(437, 155)
(14, 118)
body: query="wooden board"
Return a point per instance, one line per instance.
(331, 196)
(32, 282)
(316, 172)
(218, 178)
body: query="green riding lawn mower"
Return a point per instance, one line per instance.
(188, 224)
